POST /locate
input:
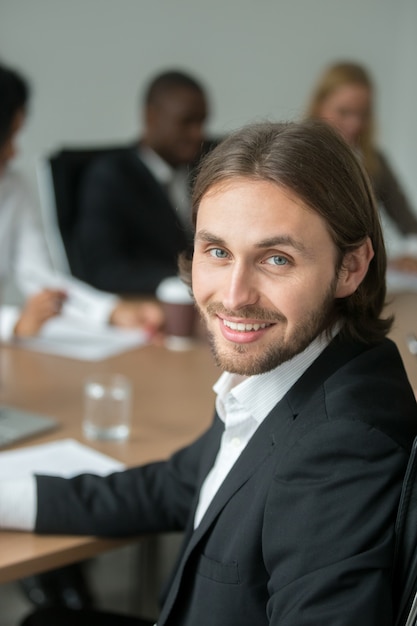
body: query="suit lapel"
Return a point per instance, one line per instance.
(261, 446)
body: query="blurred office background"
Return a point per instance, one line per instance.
(88, 60)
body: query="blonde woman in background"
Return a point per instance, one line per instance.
(344, 97)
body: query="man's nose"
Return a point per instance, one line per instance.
(241, 288)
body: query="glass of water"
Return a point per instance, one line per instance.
(107, 407)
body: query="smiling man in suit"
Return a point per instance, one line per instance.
(289, 500)
(134, 205)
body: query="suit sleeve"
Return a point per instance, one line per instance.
(329, 523)
(115, 256)
(157, 497)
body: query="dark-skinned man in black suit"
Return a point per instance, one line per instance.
(134, 206)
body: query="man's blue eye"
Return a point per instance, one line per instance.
(277, 260)
(218, 253)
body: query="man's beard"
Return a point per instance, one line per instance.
(233, 358)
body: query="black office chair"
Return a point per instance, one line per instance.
(59, 179)
(405, 563)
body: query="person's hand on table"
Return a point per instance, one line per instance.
(404, 264)
(37, 310)
(144, 314)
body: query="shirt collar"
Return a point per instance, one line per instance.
(260, 393)
(160, 169)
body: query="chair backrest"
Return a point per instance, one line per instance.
(59, 179)
(405, 561)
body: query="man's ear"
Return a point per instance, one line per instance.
(354, 269)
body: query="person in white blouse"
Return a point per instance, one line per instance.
(23, 253)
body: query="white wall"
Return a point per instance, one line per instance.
(88, 59)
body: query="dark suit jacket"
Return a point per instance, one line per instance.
(128, 235)
(301, 531)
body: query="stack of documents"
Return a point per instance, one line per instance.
(65, 457)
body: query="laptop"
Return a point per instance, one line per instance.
(16, 425)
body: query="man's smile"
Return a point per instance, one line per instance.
(244, 326)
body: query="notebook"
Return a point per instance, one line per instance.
(16, 425)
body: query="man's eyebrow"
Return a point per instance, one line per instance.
(207, 237)
(280, 240)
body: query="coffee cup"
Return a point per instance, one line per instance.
(179, 313)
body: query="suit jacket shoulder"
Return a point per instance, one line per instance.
(359, 382)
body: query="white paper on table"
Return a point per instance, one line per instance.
(65, 457)
(68, 336)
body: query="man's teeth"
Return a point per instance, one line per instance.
(244, 327)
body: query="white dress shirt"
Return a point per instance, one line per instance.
(243, 403)
(24, 257)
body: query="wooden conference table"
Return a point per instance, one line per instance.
(172, 404)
